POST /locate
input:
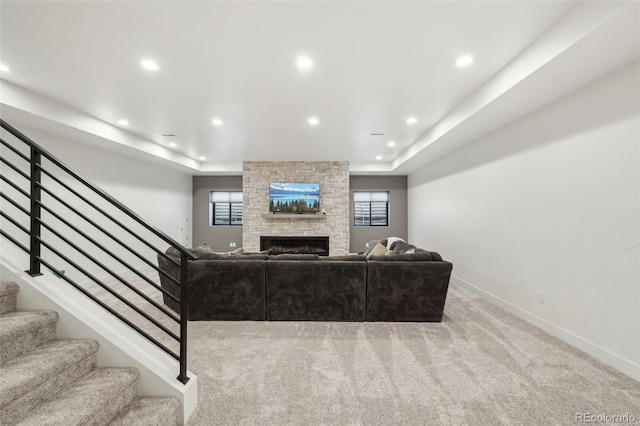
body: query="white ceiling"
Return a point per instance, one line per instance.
(375, 64)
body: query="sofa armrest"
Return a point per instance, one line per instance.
(407, 291)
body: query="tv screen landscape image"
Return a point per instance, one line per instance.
(294, 197)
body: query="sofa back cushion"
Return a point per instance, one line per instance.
(422, 256)
(295, 257)
(241, 257)
(347, 258)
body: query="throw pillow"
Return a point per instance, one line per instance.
(378, 250)
(392, 240)
(372, 244)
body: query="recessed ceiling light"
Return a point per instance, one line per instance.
(464, 60)
(202, 158)
(412, 120)
(304, 63)
(313, 121)
(150, 65)
(391, 143)
(123, 122)
(379, 157)
(216, 122)
(173, 144)
(3, 67)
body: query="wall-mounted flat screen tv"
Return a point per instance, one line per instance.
(294, 197)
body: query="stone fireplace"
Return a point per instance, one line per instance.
(333, 177)
(296, 245)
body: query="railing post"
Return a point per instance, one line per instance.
(34, 229)
(184, 315)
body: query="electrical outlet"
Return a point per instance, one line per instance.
(232, 244)
(366, 245)
(541, 296)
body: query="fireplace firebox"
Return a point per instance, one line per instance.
(295, 245)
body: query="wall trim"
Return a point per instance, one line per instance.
(621, 364)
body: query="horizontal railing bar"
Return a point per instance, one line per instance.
(111, 310)
(12, 201)
(15, 222)
(109, 234)
(36, 240)
(14, 186)
(14, 241)
(15, 168)
(109, 289)
(15, 132)
(109, 252)
(114, 274)
(107, 215)
(15, 150)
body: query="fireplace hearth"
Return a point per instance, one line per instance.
(275, 245)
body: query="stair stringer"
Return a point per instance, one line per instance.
(120, 346)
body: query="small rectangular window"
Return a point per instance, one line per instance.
(225, 208)
(371, 208)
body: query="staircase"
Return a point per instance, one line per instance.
(47, 381)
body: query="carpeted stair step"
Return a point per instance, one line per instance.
(8, 296)
(39, 374)
(22, 331)
(95, 399)
(150, 410)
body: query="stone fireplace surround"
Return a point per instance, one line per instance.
(333, 177)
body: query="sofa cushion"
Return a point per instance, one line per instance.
(436, 256)
(426, 256)
(401, 247)
(346, 258)
(249, 256)
(209, 256)
(203, 249)
(172, 251)
(294, 257)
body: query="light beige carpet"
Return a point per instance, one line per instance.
(480, 366)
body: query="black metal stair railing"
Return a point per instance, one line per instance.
(100, 220)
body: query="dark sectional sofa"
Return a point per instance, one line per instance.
(405, 284)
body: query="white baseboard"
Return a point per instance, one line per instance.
(623, 365)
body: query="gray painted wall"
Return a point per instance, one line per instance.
(217, 237)
(397, 187)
